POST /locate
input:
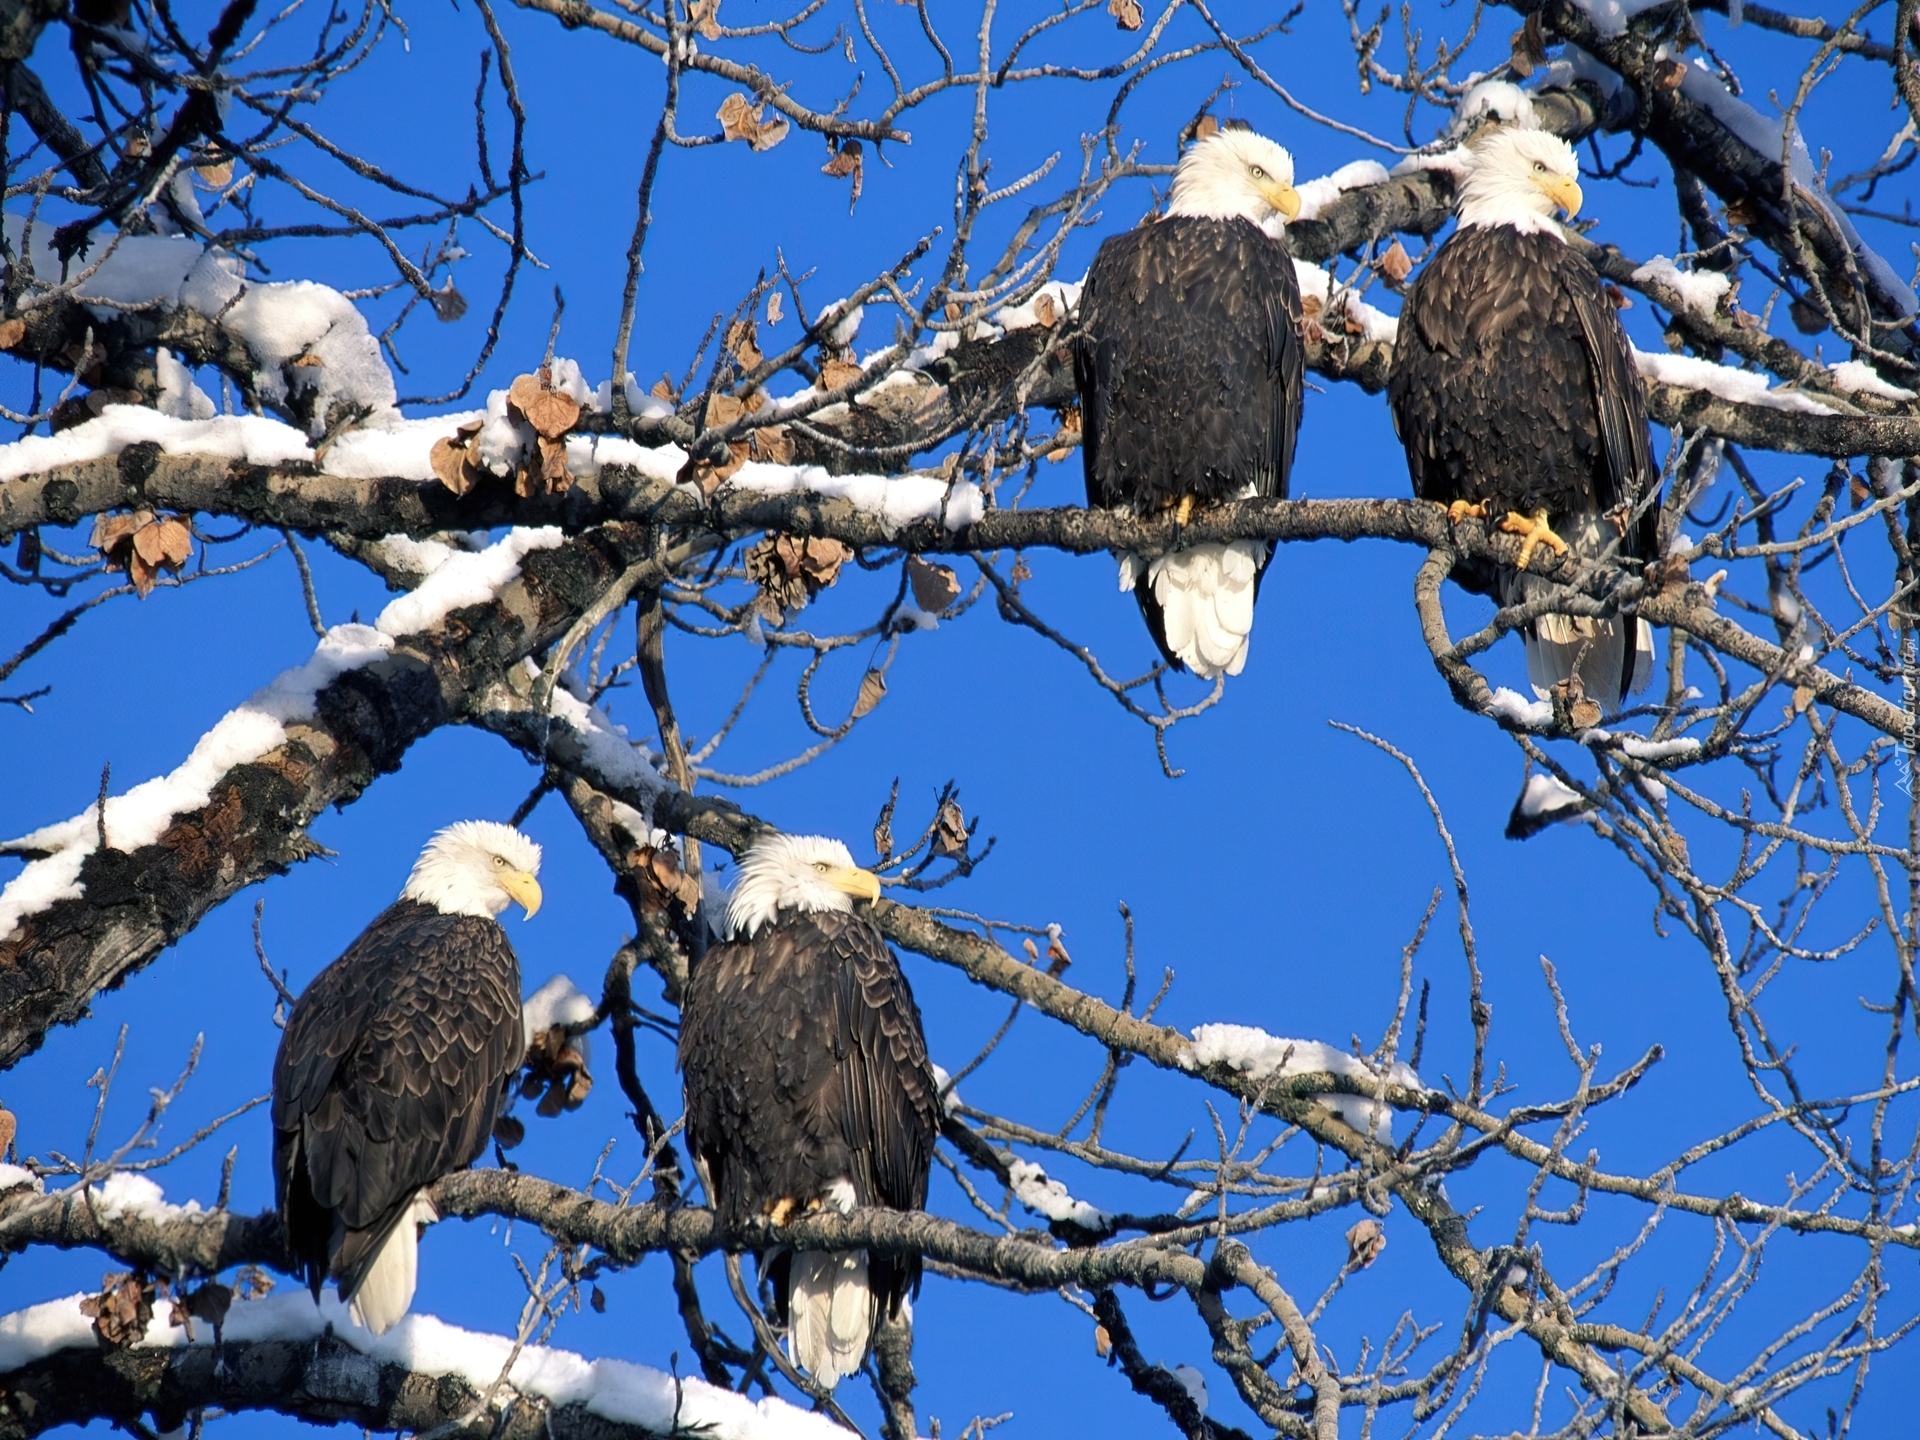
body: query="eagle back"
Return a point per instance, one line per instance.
(1189, 364)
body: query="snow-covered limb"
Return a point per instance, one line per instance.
(83, 917)
(1050, 1198)
(360, 1369)
(143, 814)
(1262, 1057)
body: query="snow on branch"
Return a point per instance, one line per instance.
(138, 818)
(1262, 1057)
(365, 1366)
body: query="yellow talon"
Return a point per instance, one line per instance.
(1465, 510)
(1184, 513)
(1536, 532)
(782, 1210)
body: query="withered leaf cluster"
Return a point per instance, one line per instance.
(1529, 47)
(8, 1128)
(122, 1310)
(555, 1066)
(935, 586)
(143, 544)
(533, 401)
(848, 159)
(210, 1302)
(1316, 317)
(1126, 13)
(662, 883)
(790, 571)
(743, 343)
(1395, 264)
(768, 443)
(740, 119)
(1365, 1241)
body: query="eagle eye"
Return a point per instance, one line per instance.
(1258, 173)
(500, 862)
(1538, 166)
(821, 866)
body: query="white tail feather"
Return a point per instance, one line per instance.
(830, 1313)
(385, 1292)
(1205, 594)
(1554, 652)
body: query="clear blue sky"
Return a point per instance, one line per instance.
(1279, 878)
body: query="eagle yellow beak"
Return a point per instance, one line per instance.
(1564, 191)
(862, 884)
(1283, 198)
(524, 889)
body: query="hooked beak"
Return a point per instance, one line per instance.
(1564, 191)
(861, 884)
(1283, 198)
(524, 889)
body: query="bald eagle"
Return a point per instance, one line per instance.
(1514, 392)
(808, 1085)
(1189, 367)
(393, 1065)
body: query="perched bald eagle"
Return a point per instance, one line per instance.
(393, 1065)
(1189, 366)
(808, 1085)
(1514, 392)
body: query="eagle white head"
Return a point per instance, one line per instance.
(1519, 178)
(808, 873)
(477, 867)
(1235, 173)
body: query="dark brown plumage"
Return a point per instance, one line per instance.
(389, 1076)
(1190, 370)
(1514, 386)
(805, 1064)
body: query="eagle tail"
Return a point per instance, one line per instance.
(1198, 603)
(830, 1306)
(1597, 649)
(385, 1289)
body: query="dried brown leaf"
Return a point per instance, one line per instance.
(873, 689)
(661, 881)
(1045, 311)
(1311, 306)
(1616, 297)
(1102, 1342)
(743, 344)
(848, 160)
(950, 830)
(1396, 264)
(1807, 318)
(739, 117)
(12, 331)
(776, 311)
(553, 466)
(1057, 955)
(218, 175)
(1205, 128)
(165, 544)
(772, 444)
(1529, 47)
(112, 532)
(1858, 491)
(1365, 1241)
(554, 1065)
(1669, 73)
(1126, 13)
(663, 390)
(552, 414)
(8, 1128)
(524, 391)
(1585, 714)
(449, 461)
(1033, 950)
(307, 360)
(935, 587)
(1802, 697)
(836, 373)
(704, 16)
(723, 410)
